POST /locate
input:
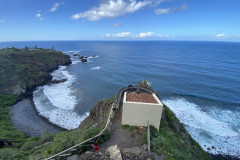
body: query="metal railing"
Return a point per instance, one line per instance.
(148, 136)
(109, 121)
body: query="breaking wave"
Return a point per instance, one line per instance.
(216, 130)
(96, 68)
(56, 102)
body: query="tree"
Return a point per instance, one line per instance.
(144, 84)
(26, 49)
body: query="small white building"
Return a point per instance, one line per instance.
(140, 108)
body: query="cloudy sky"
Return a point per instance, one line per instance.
(26, 20)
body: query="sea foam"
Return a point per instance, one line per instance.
(62, 94)
(56, 102)
(208, 127)
(96, 68)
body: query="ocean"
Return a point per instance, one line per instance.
(198, 81)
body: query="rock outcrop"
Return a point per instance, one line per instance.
(24, 70)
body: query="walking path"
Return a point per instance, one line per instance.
(123, 138)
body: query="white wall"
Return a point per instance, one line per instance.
(138, 114)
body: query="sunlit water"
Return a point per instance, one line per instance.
(199, 81)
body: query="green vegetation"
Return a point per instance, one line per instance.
(7, 131)
(132, 128)
(173, 141)
(144, 84)
(22, 69)
(48, 144)
(109, 101)
(144, 139)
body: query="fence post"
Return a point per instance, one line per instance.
(148, 136)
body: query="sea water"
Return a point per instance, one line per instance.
(198, 81)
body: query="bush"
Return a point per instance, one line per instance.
(104, 137)
(46, 137)
(144, 84)
(144, 139)
(153, 131)
(163, 124)
(9, 153)
(90, 133)
(29, 145)
(109, 101)
(125, 126)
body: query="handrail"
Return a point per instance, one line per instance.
(78, 145)
(148, 136)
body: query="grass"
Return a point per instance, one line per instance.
(22, 70)
(173, 141)
(26, 67)
(7, 130)
(109, 101)
(47, 144)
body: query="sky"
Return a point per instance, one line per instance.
(40, 20)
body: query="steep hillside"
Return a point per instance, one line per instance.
(23, 69)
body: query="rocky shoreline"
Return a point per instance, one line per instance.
(26, 118)
(34, 125)
(32, 85)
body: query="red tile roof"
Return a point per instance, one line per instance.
(141, 97)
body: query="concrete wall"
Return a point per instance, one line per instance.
(138, 114)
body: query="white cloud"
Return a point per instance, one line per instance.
(220, 35)
(117, 25)
(119, 35)
(114, 8)
(169, 10)
(147, 34)
(39, 16)
(2, 21)
(137, 36)
(55, 6)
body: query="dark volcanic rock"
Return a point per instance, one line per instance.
(23, 71)
(84, 60)
(59, 81)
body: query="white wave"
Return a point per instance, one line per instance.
(96, 68)
(73, 52)
(75, 61)
(93, 56)
(61, 95)
(67, 119)
(206, 127)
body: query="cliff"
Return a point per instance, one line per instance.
(171, 142)
(22, 70)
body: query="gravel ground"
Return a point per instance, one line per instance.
(123, 138)
(25, 118)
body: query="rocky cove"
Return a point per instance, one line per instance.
(172, 134)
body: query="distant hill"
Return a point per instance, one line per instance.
(23, 69)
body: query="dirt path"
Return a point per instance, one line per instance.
(123, 138)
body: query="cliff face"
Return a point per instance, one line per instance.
(22, 70)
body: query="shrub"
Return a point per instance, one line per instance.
(153, 131)
(144, 84)
(46, 137)
(125, 126)
(109, 101)
(90, 133)
(104, 137)
(9, 153)
(29, 145)
(163, 124)
(144, 139)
